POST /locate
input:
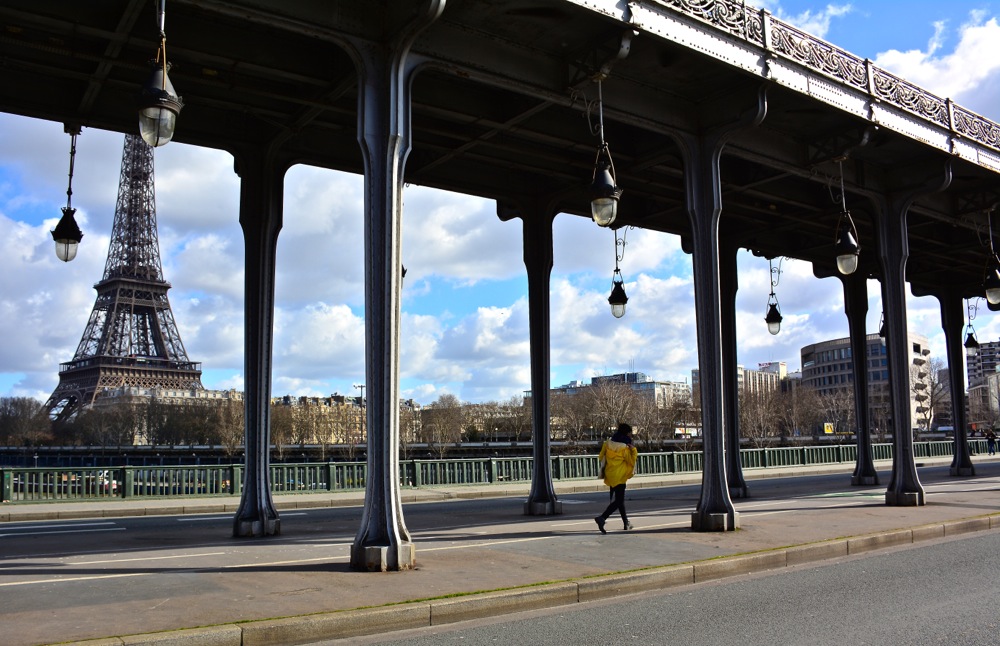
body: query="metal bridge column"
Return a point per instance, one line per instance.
(715, 510)
(537, 227)
(261, 189)
(952, 323)
(856, 307)
(385, 74)
(701, 150)
(904, 489)
(729, 284)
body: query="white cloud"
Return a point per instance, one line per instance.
(815, 22)
(960, 74)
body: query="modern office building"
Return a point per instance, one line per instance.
(768, 376)
(828, 368)
(983, 364)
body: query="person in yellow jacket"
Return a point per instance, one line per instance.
(617, 460)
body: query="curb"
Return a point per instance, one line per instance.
(435, 612)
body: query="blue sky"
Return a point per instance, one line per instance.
(464, 326)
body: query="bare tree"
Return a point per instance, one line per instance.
(23, 420)
(482, 421)
(646, 418)
(929, 391)
(355, 421)
(518, 418)
(799, 411)
(613, 402)
(573, 416)
(837, 407)
(230, 424)
(760, 414)
(409, 426)
(880, 410)
(282, 427)
(442, 423)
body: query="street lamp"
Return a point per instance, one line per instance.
(773, 316)
(158, 102)
(991, 282)
(67, 234)
(847, 234)
(618, 298)
(971, 344)
(604, 192)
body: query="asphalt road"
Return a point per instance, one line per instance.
(936, 593)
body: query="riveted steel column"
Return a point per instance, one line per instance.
(904, 489)
(715, 510)
(261, 190)
(729, 284)
(952, 322)
(856, 308)
(383, 541)
(537, 227)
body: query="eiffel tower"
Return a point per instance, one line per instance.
(131, 340)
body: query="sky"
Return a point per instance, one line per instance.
(464, 325)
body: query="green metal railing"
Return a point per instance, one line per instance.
(30, 484)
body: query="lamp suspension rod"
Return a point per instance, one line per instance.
(843, 196)
(161, 22)
(989, 229)
(161, 17)
(72, 156)
(617, 257)
(600, 112)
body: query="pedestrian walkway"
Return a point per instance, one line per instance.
(473, 560)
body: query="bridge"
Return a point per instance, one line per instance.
(723, 125)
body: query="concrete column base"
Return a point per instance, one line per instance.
(962, 471)
(715, 522)
(384, 558)
(861, 481)
(739, 492)
(904, 498)
(249, 528)
(552, 508)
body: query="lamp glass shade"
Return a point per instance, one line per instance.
(604, 210)
(604, 193)
(66, 249)
(847, 252)
(971, 345)
(618, 299)
(67, 235)
(992, 284)
(159, 106)
(773, 319)
(847, 264)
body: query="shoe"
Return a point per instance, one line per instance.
(628, 526)
(600, 524)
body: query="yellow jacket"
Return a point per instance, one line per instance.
(619, 460)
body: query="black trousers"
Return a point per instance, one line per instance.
(617, 502)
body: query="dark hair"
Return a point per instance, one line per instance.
(623, 434)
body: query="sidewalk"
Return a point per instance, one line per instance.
(500, 565)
